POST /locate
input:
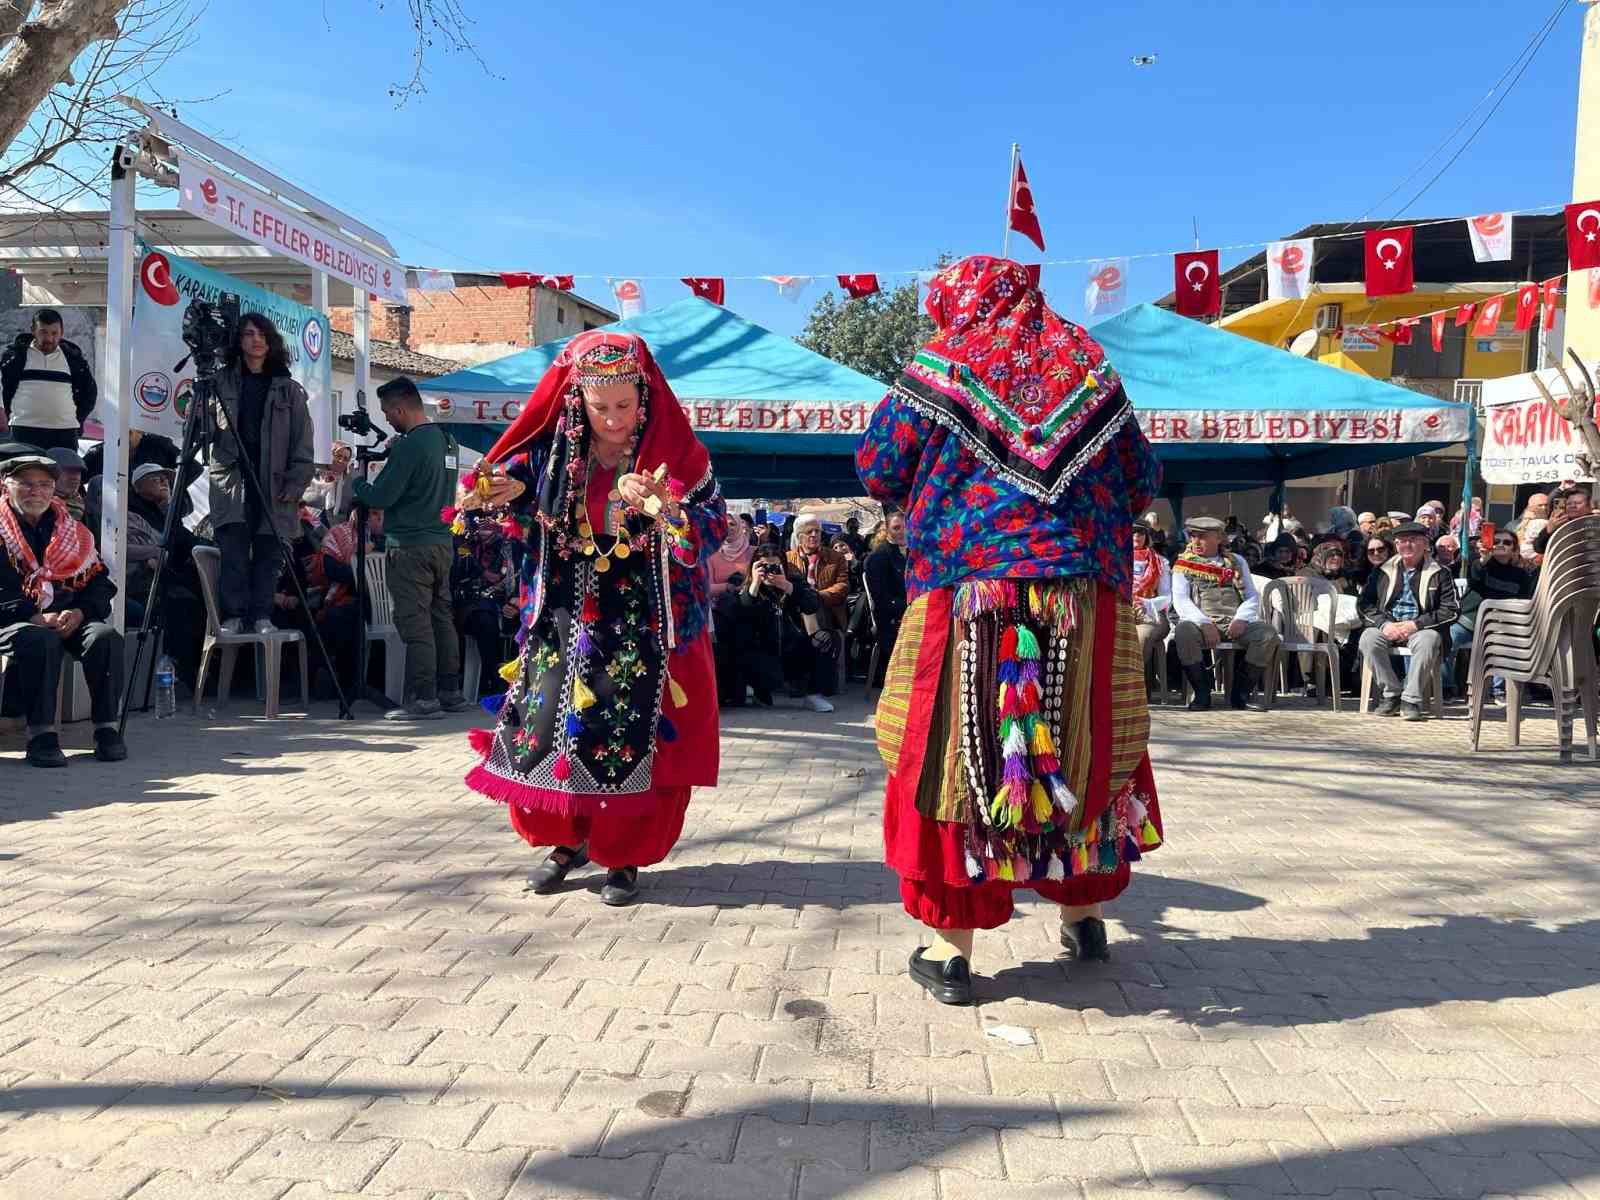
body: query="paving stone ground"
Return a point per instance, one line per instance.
(294, 961)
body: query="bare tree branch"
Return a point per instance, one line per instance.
(42, 50)
(445, 20)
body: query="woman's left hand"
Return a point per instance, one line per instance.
(638, 490)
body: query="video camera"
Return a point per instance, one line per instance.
(211, 331)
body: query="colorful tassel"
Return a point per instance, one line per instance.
(1000, 808)
(1055, 870)
(1005, 870)
(447, 514)
(1008, 644)
(1130, 849)
(1039, 742)
(680, 698)
(493, 704)
(562, 769)
(574, 724)
(1014, 743)
(458, 527)
(1027, 643)
(591, 609)
(1080, 860)
(667, 730)
(585, 643)
(509, 671)
(582, 696)
(1042, 808)
(1149, 839)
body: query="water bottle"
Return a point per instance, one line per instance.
(166, 687)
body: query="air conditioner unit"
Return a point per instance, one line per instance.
(1329, 318)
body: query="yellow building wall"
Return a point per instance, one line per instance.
(1484, 358)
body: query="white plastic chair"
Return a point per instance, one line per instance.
(1291, 606)
(1432, 686)
(269, 646)
(382, 628)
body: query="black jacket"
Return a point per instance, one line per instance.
(1435, 589)
(94, 597)
(15, 359)
(152, 448)
(885, 574)
(769, 617)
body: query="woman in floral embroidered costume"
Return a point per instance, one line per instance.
(611, 712)
(1013, 719)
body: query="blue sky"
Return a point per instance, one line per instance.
(669, 139)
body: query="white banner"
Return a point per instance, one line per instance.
(219, 198)
(1289, 269)
(630, 297)
(1356, 427)
(162, 391)
(708, 416)
(1491, 237)
(1106, 292)
(1524, 440)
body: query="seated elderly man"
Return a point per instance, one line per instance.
(69, 484)
(1215, 601)
(1410, 601)
(54, 600)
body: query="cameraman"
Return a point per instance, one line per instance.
(767, 640)
(261, 416)
(418, 480)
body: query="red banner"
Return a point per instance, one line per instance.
(1194, 283)
(1389, 269)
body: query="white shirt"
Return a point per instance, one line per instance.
(44, 393)
(1249, 608)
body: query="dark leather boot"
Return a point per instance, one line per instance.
(1200, 683)
(1244, 682)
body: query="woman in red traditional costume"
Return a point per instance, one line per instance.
(1013, 719)
(611, 713)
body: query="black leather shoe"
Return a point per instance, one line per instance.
(622, 887)
(1388, 706)
(1200, 684)
(1412, 712)
(1244, 683)
(549, 874)
(1085, 940)
(109, 746)
(950, 981)
(44, 750)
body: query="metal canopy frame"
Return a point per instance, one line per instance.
(149, 156)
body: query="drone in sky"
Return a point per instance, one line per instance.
(1144, 60)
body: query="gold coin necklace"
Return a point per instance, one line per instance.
(622, 545)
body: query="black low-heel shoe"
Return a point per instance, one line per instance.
(949, 981)
(621, 887)
(548, 875)
(1085, 940)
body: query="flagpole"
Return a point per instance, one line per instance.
(1011, 183)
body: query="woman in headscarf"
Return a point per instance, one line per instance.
(611, 713)
(1152, 579)
(1013, 719)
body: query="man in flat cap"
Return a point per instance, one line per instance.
(55, 597)
(1216, 601)
(1410, 601)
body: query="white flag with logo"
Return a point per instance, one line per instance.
(790, 286)
(1289, 269)
(1491, 237)
(431, 280)
(630, 297)
(1107, 289)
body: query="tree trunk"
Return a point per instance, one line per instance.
(38, 56)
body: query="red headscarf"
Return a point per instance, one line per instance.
(667, 437)
(1029, 392)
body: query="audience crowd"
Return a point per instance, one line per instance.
(798, 611)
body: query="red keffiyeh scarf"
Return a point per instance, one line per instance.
(69, 557)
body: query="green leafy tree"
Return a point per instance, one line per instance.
(876, 335)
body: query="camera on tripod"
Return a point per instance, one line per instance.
(211, 331)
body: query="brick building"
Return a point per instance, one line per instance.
(479, 319)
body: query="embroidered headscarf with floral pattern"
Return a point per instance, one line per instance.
(1027, 391)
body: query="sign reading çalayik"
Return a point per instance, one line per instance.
(221, 199)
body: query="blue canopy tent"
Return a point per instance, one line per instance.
(780, 421)
(1226, 413)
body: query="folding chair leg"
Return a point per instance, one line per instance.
(305, 678)
(230, 660)
(1514, 711)
(200, 676)
(273, 654)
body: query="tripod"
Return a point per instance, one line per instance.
(198, 432)
(365, 455)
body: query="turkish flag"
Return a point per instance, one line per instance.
(1437, 321)
(1034, 271)
(1464, 314)
(1527, 305)
(1403, 333)
(1488, 317)
(859, 286)
(1194, 281)
(706, 287)
(1583, 235)
(1021, 217)
(1389, 270)
(1549, 294)
(522, 279)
